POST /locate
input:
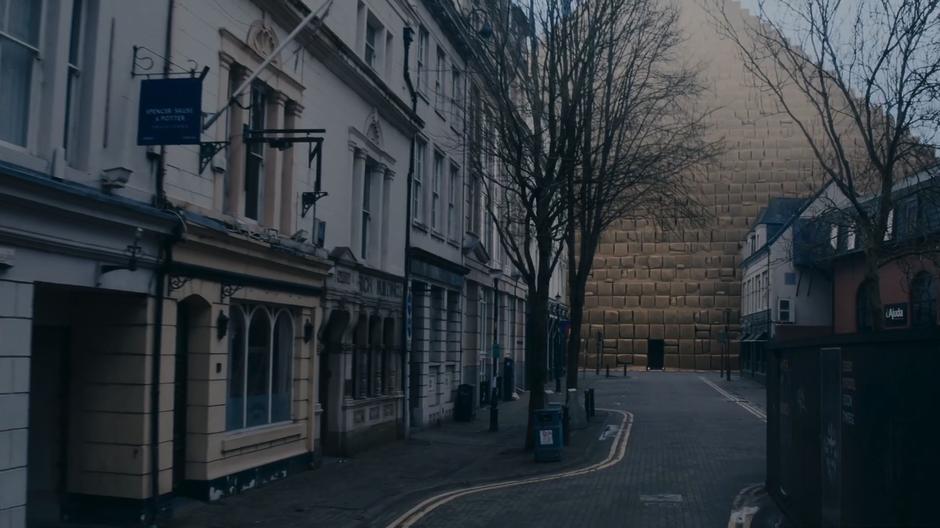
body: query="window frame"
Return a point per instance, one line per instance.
(73, 89)
(255, 152)
(437, 178)
(440, 81)
(424, 39)
(34, 49)
(417, 180)
(789, 310)
(370, 53)
(242, 316)
(453, 196)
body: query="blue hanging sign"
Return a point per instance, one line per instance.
(170, 112)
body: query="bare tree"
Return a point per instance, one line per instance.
(641, 138)
(869, 74)
(525, 152)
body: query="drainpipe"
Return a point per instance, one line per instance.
(408, 36)
(164, 260)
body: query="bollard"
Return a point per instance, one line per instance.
(608, 371)
(625, 370)
(593, 404)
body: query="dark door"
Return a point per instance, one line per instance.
(48, 424)
(655, 354)
(179, 395)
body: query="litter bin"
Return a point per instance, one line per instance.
(463, 407)
(564, 415)
(548, 435)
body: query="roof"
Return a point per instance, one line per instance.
(780, 210)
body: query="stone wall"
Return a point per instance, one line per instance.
(682, 287)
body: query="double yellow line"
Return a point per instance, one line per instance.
(618, 449)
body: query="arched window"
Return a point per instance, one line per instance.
(923, 300)
(259, 368)
(235, 406)
(281, 358)
(863, 310)
(260, 374)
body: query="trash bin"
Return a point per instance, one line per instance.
(463, 407)
(548, 435)
(564, 413)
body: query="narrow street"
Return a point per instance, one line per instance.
(690, 452)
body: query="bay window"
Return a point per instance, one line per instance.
(260, 376)
(19, 48)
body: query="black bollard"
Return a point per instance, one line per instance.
(608, 371)
(625, 370)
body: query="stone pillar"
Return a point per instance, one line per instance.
(271, 213)
(16, 312)
(236, 150)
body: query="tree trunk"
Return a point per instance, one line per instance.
(873, 282)
(576, 299)
(536, 347)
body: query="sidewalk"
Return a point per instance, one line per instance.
(377, 485)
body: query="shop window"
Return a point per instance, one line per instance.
(923, 300)
(260, 355)
(19, 48)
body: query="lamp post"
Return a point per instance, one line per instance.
(494, 410)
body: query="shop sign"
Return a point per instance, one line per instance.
(895, 314)
(170, 112)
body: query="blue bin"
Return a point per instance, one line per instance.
(548, 435)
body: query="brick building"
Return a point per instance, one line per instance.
(674, 292)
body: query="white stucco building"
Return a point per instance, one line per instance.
(200, 319)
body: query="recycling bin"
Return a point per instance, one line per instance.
(548, 435)
(463, 407)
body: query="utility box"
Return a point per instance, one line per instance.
(463, 407)
(548, 435)
(509, 376)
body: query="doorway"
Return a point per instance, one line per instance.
(48, 424)
(179, 394)
(655, 355)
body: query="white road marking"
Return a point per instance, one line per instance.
(761, 415)
(617, 451)
(661, 497)
(610, 429)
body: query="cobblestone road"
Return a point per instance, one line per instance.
(690, 452)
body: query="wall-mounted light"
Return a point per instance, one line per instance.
(221, 325)
(308, 331)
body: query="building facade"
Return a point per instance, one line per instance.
(668, 291)
(199, 319)
(782, 295)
